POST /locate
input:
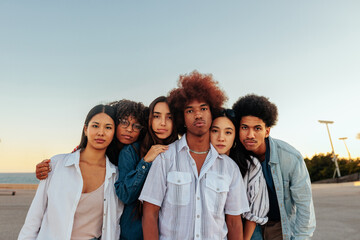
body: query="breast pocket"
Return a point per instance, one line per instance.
(216, 192)
(178, 187)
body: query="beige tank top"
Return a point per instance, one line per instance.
(88, 217)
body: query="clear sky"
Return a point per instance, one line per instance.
(60, 58)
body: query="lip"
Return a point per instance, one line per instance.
(249, 143)
(126, 137)
(220, 146)
(161, 130)
(99, 140)
(199, 123)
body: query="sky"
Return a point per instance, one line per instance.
(58, 59)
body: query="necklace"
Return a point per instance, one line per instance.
(205, 152)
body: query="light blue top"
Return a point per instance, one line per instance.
(293, 190)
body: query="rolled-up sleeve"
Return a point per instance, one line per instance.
(236, 201)
(155, 185)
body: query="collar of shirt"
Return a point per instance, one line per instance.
(74, 159)
(209, 161)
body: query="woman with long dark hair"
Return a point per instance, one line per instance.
(224, 137)
(78, 200)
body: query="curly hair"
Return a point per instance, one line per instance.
(195, 86)
(257, 106)
(150, 137)
(125, 108)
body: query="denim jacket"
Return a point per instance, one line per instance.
(132, 175)
(293, 190)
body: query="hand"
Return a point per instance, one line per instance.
(42, 169)
(154, 151)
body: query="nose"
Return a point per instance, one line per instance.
(221, 137)
(198, 114)
(251, 133)
(101, 131)
(129, 128)
(163, 121)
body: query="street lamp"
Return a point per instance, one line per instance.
(334, 159)
(344, 138)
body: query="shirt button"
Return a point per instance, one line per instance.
(217, 189)
(193, 164)
(104, 199)
(143, 167)
(197, 235)
(178, 181)
(198, 198)
(198, 216)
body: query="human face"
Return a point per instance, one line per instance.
(197, 117)
(99, 131)
(162, 123)
(127, 135)
(222, 135)
(253, 133)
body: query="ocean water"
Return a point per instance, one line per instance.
(23, 178)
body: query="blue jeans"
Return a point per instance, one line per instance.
(257, 235)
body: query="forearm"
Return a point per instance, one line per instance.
(150, 221)
(235, 228)
(249, 229)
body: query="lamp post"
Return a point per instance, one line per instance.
(334, 159)
(344, 138)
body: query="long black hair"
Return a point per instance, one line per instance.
(238, 153)
(150, 137)
(111, 149)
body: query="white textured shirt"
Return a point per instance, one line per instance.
(51, 214)
(193, 206)
(257, 193)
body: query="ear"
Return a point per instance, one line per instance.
(85, 130)
(267, 130)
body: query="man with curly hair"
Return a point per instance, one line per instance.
(191, 191)
(291, 214)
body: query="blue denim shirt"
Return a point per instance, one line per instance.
(132, 175)
(293, 190)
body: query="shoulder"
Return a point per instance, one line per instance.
(229, 163)
(131, 149)
(284, 148)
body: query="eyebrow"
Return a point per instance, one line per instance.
(168, 113)
(202, 105)
(224, 128)
(99, 123)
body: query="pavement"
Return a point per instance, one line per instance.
(337, 208)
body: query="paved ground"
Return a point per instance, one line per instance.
(337, 208)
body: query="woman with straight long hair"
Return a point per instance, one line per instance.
(77, 200)
(224, 137)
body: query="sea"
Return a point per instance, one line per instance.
(22, 178)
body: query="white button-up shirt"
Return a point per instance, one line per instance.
(51, 214)
(193, 206)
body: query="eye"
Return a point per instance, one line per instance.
(138, 127)
(156, 116)
(95, 126)
(189, 111)
(258, 128)
(243, 127)
(204, 109)
(108, 127)
(170, 117)
(228, 133)
(214, 130)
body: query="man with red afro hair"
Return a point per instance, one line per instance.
(192, 192)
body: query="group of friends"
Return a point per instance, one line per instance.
(131, 177)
